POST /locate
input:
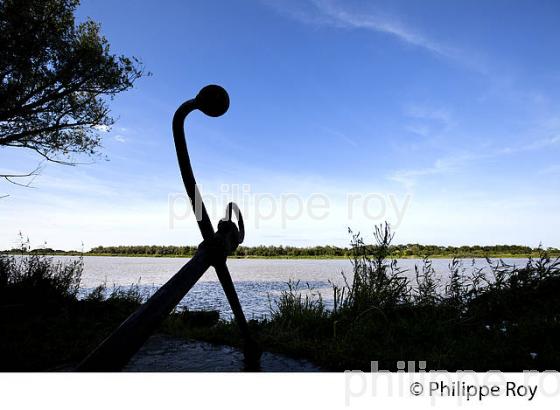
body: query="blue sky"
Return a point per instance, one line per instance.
(447, 110)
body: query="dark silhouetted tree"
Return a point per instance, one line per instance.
(56, 77)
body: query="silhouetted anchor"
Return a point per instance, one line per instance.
(115, 351)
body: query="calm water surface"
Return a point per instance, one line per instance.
(258, 281)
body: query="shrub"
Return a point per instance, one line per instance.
(296, 310)
(426, 292)
(506, 320)
(376, 282)
(33, 278)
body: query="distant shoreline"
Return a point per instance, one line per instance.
(287, 257)
(400, 251)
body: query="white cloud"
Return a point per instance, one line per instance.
(442, 166)
(427, 120)
(426, 112)
(456, 162)
(408, 177)
(382, 24)
(340, 135)
(331, 13)
(120, 138)
(532, 146)
(418, 129)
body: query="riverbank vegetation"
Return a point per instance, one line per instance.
(508, 319)
(505, 317)
(287, 252)
(44, 323)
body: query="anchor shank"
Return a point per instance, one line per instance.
(115, 351)
(202, 218)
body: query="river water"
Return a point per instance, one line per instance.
(258, 281)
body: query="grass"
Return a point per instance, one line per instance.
(43, 324)
(505, 318)
(508, 319)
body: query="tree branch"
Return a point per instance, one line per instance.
(10, 139)
(33, 174)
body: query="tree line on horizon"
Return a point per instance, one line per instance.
(396, 251)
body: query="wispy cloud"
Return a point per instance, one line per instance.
(442, 166)
(119, 138)
(418, 129)
(532, 146)
(380, 23)
(339, 135)
(454, 163)
(428, 113)
(427, 120)
(333, 13)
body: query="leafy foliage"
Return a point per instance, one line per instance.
(55, 75)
